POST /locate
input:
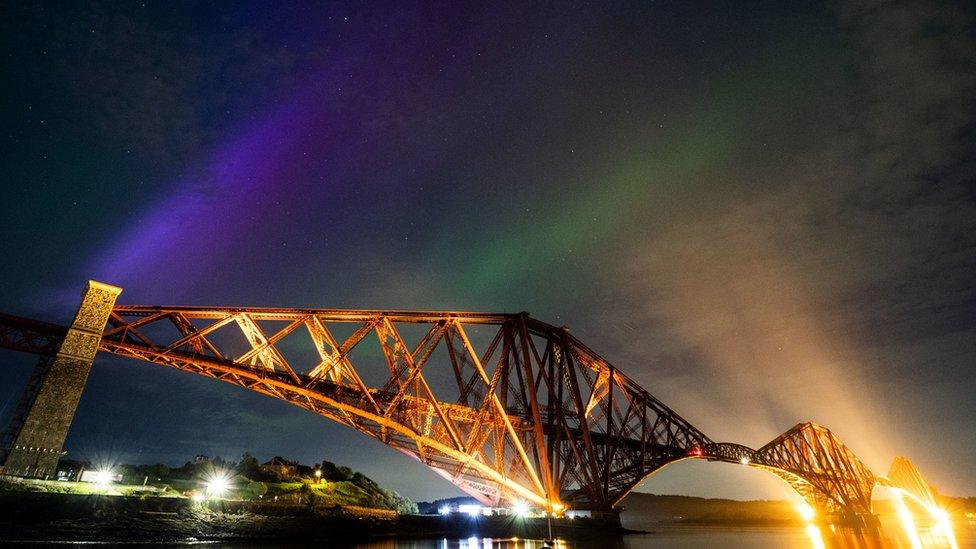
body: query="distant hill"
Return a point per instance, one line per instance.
(641, 508)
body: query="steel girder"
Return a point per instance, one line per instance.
(904, 476)
(30, 336)
(821, 468)
(533, 414)
(814, 462)
(825, 472)
(529, 413)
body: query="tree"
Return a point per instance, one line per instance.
(329, 470)
(249, 466)
(404, 505)
(365, 482)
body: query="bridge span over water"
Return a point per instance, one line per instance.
(506, 407)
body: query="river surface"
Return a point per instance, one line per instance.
(678, 537)
(705, 537)
(662, 537)
(893, 535)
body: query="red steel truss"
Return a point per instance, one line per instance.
(821, 468)
(904, 476)
(811, 459)
(30, 336)
(529, 414)
(504, 406)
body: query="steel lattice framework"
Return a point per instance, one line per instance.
(821, 468)
(533, 415)
(811, 459)
(504, 406)
(30, 336)
(824, 471)
(904, 476)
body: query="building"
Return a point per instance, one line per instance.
(280, 466)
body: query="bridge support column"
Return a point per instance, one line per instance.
(32, 443)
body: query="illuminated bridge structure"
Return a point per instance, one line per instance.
(506, 407)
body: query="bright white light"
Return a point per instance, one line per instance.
(816, 538)
(907, 521)
(104, 477)
(444, 510)
(806, 511)
(744, 460)
(217, 484)
(943, 526)
(521, 508)
(472, 510)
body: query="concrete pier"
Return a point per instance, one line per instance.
(33, 442)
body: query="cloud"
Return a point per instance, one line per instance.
(779, 300)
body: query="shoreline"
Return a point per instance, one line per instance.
(41, 517)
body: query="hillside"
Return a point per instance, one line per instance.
(651, 508)
(278, 481)
(643, 509)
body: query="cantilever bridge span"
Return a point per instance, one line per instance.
(504, 406)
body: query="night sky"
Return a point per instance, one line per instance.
(764, 214)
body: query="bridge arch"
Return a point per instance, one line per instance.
(904, 480)
(809, 459)
(706, 470)
(821, 468)
(532, 414)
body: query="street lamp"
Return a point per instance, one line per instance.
(318, 475)
(104, 477)
(521, 508)
(217, 484)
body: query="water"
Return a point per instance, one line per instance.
(673, 537)
(891, 536)
(894, 534)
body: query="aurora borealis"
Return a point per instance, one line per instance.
(764, 215)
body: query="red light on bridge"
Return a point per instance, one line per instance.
(695, 452)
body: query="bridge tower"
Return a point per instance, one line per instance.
(32, 443)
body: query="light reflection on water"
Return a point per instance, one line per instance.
(893, 535)
(670, 537)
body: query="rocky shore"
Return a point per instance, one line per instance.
(35, 517)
